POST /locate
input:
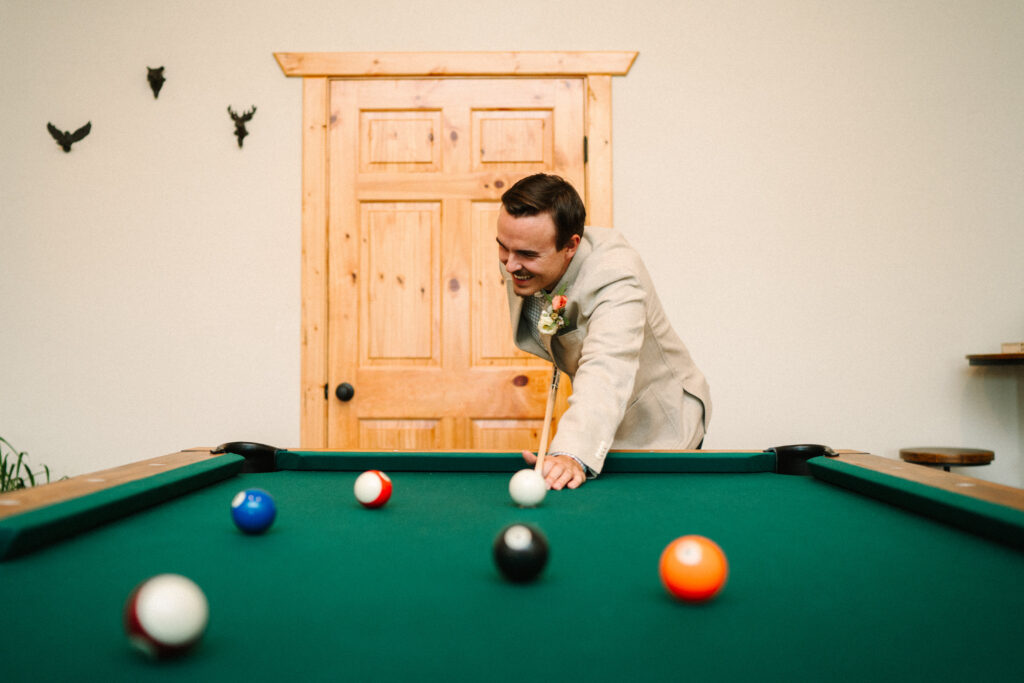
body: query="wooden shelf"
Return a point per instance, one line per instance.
(996, 359)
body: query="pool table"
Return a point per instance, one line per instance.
(865, 568)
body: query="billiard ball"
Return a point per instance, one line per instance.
(166, 615)
(372, 488)
(253, 510)
(520, 551)
(527, 487)
(693, 568)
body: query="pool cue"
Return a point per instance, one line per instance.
(549, 409)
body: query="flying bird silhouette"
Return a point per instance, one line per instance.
(64, 138)
(156, 80)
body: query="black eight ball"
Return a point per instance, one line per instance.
(520, 551)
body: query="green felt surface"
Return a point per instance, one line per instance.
(825, 584)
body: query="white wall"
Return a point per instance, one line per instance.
(829, 194)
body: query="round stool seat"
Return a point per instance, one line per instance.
(947, 457)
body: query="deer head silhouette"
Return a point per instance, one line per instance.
(240, 119)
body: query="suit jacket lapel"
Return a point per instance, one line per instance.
(515, 305)
(546, 340)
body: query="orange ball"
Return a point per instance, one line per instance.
(693, 568)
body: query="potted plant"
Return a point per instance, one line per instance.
(14, 470)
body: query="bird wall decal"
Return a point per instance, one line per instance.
(240, 119)
(64, 138)
(156, 79)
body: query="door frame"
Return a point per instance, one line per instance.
(317, 69)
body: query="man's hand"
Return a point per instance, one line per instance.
(559, 470)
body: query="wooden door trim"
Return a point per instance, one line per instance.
(395, 64)
(597, 125)
(317, 68)
(314, 367)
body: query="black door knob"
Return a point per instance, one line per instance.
(345, 391)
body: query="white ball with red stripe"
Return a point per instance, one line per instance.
(373, 488)
(166, 615)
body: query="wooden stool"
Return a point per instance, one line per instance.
(946, 457)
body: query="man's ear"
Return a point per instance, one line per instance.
(574, 244)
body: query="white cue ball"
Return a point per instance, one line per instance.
(527, 487)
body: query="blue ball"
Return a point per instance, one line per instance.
(253, 511)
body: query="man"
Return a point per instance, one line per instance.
(584, 300)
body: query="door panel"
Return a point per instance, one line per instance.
(417, 316)
(399, 257)
(491, 327)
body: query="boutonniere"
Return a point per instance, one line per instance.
(552, 318)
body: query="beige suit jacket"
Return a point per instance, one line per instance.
(633, 380)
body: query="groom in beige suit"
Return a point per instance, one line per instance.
(584, 300)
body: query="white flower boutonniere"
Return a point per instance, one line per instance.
(552, 318)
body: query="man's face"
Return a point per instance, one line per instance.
(526, 247)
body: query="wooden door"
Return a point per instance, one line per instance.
(418, 322)
(404, 158)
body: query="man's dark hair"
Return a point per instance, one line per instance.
(541, 193)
